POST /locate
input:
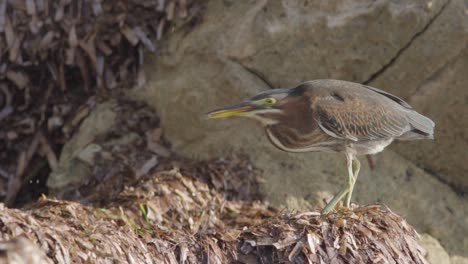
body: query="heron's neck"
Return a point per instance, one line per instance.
(265, 120)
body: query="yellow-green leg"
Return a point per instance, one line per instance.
(345, 190)
(356, 167)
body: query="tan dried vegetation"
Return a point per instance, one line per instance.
(175, 217)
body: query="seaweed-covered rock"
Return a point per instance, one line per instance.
(370, 234)
(178, 218)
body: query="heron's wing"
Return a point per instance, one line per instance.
(390, 96)
(364, 117)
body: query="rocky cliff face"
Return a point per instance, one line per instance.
(417, 50)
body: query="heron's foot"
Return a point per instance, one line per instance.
(335, 200)
(339, 207)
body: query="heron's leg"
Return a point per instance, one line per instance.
(339, 196)
(356, 166)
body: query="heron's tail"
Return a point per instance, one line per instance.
(423, 127)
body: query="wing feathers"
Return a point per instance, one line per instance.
(354, 111)
(355, 120)
(389, 95)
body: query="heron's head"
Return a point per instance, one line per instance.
(267, 107)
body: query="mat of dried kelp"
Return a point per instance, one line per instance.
(234, 176)
(97, 37)
(57, 58)
(169, 218)
(175, 218)
(372, 234)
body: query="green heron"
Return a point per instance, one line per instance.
(333, 116)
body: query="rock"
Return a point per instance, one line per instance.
(75, 158)
(435, 252)
(445, 158)
(113, 145)
(431, 74)
(241, 48)
(20, 250)
(459, 260)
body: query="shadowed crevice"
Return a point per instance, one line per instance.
(405, 47)
(254, 72)
(450, 62)
(439, 177)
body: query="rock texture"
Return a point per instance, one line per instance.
(21, 250)
(459, 260)
(432, 73)
(116, 144)
(417, 50)
(436, 253)
(78, 153)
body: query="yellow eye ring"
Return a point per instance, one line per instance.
(269, 101)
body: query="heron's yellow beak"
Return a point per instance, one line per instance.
(233, 110)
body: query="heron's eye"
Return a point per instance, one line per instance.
(269, 101)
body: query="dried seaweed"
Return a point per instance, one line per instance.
(56, 56)
(168, 218)
(177, 218)
(37, 35)
(372, 234)
(234, 176)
